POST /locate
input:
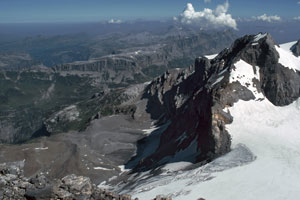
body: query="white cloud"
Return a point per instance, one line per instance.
(298, 2)
(114, 21)
(267, 18)
(208, 17)
(207, 1)
(297, 18)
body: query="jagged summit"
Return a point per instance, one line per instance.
(191, 104)
(277, 75)
(236, 111)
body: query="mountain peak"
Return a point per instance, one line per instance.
(192, 103)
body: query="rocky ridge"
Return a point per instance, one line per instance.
(13, 185)
(192, 103)
(170, 51)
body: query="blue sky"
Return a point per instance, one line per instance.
(97, 10)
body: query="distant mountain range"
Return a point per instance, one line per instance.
(31, 92)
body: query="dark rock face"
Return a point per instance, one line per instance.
(197, 122)
(296, 49)
(192, 101)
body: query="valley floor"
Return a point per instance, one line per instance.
(97, 152)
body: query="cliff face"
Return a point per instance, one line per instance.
(170, 51)
(109, 69)
(192, 103)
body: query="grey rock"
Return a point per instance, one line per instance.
(161, 197)
(78, 184)
(40, 188)
(296, 49)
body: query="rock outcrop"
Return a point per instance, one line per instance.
(296, 49)
(13, 185)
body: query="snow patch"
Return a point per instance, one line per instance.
(245, 74)
(217, 81)
(122, 168)
(259, 37)
(287, 46)
(150, 130)
(288, 59)
(223, 71)
(102, 168)
(210, 57)
(41, 148)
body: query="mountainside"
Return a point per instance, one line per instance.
(176, 48)
(228, 104)
(192, 102)
(229, 123)
(154, 47)
(30, 97)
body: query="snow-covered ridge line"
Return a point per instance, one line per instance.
(259, 37)
(262, 134)
(286, 56)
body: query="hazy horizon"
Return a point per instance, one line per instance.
(99, 10)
